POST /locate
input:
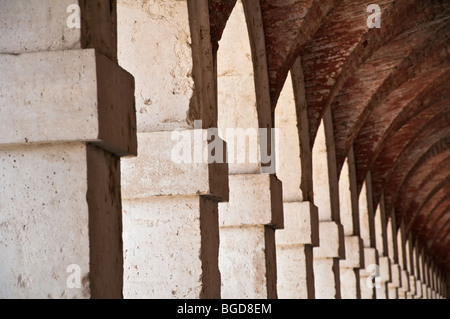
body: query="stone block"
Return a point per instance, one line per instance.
(59, 237)
(354, 253)
(349, 283)
(247, 262)
(171, 247)
(404, 280)
(157, 172)
(44, 221)
(54, 25)
(67, 96)
(255, 199)
(331, 237)
(295, 272)
(395, 278)
(327, 278)
(155, 46)
(370, 256)
(412, 285)
(419, 292)
(385, 269)
(301, 225)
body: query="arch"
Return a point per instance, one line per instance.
(423, 106)
(393, 163)
(288, 26)
(435, 142)
(436, 212)
(376, 90)
(342, 54)
(432, 168)
(247, 258)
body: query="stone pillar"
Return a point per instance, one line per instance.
(349, 268)
(402, 260)
(370, 275)
(295, 251)
(410, 268)
(247, 236)
(395, 281)
(437, 282)
(172, 189)
(432, 288)
(434, 280)
(354, 247)
(67, 116)
(383, 254)
(417, 271)
(326, 197)
(422, 273)
(295, 274)
(431, 276)
(255, 208)
(424, 268)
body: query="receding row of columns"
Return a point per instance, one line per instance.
(178, 220)
(302, 232)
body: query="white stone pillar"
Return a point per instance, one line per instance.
(383, 254)
(255, 209)
(436, 282)
(370, 274)
(418, 273)
(402, 255)
(395, 282)
(425, 277)
(172, 189)
(350, 268)
(295, 251)
(433, 280)
(385, 277)
(326, 197)
(66, 117)
(410, 267)
(295, 274)
(354, 247)
(247, 236)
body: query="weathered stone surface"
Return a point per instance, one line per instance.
(354, 253)
(160, 168)
(301, 225)
(247, 262)
(327, 284)
(350, 283)
(154, 45)
(44, 221)
(171, 247)
(54, 25)
(66, 96)
(331, 238)
(295, 271)
(255, 199)
(67, 109)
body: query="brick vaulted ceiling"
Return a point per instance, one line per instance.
(389, 93)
